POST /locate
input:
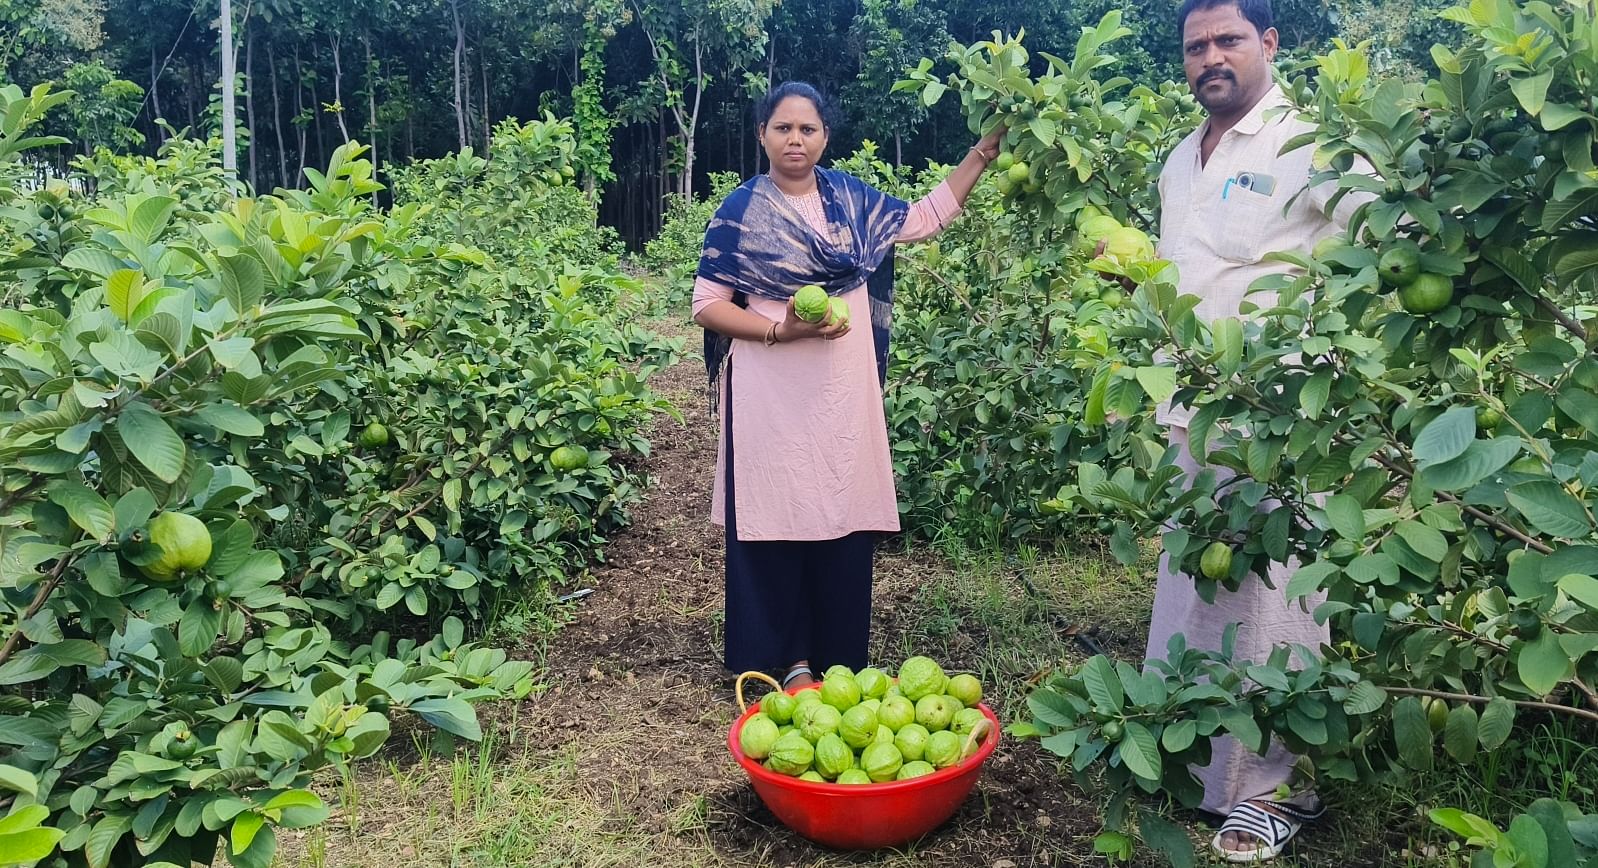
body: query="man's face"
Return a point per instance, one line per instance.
(1228, 62)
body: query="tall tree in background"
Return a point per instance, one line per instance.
(230, 114)
(890, 36)
(688, 39)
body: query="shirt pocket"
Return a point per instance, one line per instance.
(1238, 227)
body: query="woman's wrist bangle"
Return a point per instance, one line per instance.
(771, 335)
(986, 160)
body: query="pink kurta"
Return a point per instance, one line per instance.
(809, 436)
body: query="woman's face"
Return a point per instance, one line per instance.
(794, 137)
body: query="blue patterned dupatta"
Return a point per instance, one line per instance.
(760, 245)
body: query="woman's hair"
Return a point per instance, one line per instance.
(774, 97)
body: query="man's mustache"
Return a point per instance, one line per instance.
(1207, 77)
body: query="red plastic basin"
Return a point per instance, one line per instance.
(865, 816)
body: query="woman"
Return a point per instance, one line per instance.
(804, 482)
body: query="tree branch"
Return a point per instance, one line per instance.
(1483, 700)
(39, 598)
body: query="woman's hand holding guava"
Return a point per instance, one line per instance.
(794, 328)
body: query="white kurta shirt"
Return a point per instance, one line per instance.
(1219, 219)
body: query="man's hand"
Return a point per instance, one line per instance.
(1126, 282)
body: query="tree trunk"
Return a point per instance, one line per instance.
(466, 82)
(460, 49)
(898, 150)
(299, 109)
(482, 66)
(249, 103)
(338, 87)
(371, 107)
(155, 95)
(316, 113)
(277, 117)
(230, 148)
(686, 187)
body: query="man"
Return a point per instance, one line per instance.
(1224, 195)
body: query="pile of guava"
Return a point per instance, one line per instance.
(866, 727)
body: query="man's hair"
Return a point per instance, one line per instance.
(1258, 12)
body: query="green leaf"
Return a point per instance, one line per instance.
(1583, 589)
(199, 627)
(1497, 721)
(1529, 840)
(231, 419)
(1412, 733)
(86, 508)
(102, 840)
(932, 92)
(1227, 333)
(1550, 508)
(1167, 838)
(245, 826)
(1051, 708)
(151, 216)
(124, 289)
(1532, 91)
(1103, 684)
(1158, 381)
(1346, 516)
(1480, 460)
(242, 281)
(1542, 663)
(1179, 736)
(19, 781)
(1315, 392)
(29, 845)
(1459, 736)
(450, 714)
(152, 441)
(1447, 437)
(1364, 698)
(1427, 542)
(1140, 752)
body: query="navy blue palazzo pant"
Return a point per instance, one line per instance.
(794, 600)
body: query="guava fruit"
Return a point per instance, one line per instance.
(813, 776)
(858, 727)
(1427, 293)
(810, 303)
(884, 735)
(911, 741)
(1437, 714)
(791, 755)
(965, 688)
(833, 757)
(893, 690)
(784, 730)
(896, 713)
(1004, 161)
(837, 671)
(838, 310)
(373, 436)
(1216, 562)
(965, 720)
(873, 683)
(759, 733)
(872, 704)
(881, 761)
(1127, 244)
(1327, 246)
(1018, 173)
(914, 769)
(823, 719)
(185, 546)
(1093, 230)
(840, 691)
(778, 706)
(809, 694)
(854, 776)
(1399, 264)
(943, 749)
(569, 458)
(921, 676)
(935, 712)
(1086, 213)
